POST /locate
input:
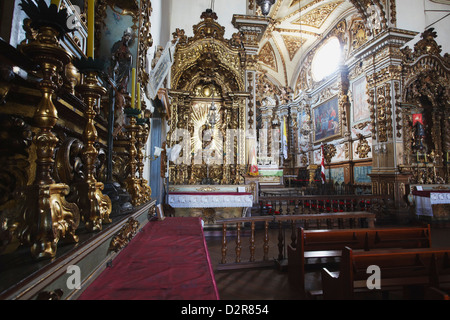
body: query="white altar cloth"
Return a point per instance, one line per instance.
(210, 200)
(425, 199)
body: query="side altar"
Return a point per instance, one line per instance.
(211, 202)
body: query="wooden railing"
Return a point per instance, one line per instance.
(296, 204)
(310, 212)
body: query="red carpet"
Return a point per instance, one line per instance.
(167, 260)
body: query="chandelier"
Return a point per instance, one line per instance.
(265, 5)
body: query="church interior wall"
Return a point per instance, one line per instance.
(185, 14)
(419, 15)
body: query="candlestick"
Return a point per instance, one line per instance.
(139, 95)
(133, 87)
(425, 157)
(417, 157)
(90, 42)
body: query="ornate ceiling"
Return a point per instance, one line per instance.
(296, 27)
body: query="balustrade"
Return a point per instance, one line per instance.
(280, 214)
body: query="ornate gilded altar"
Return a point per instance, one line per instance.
(55, 137)
(208, 70)
(212, 120)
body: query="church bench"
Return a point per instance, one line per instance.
(329, 244)
(410, 270)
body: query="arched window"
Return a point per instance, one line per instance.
(326, 60)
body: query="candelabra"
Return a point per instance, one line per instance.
(95, 207)
(47, 216)
(132, 183)
(142, 136)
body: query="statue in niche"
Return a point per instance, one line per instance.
(420, 145)
(121, 60)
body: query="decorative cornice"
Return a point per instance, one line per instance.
(392, 36)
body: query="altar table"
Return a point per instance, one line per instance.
(207, 204)
(432, 203)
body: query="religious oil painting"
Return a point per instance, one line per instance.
(326, 120)
(360, 105)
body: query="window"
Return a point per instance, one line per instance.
(326, 60)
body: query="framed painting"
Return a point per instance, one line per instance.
(360, 105)
(327, 120)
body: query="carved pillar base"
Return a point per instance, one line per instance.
(95, 207)
(146, 190)
(134, 188)
(48, 219)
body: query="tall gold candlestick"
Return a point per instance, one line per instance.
(91, 15)
(48, 217)
(139, 95)
(133, 87)
(95, 207)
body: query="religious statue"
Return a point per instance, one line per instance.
(121, 60)
(419, 133)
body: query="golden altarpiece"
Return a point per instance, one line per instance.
(58, 156)
(209, 121)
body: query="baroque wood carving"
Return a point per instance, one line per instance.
(208, 69)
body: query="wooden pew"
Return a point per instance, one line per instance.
(329, 244)
(410, 270)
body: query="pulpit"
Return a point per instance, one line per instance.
(211, 202)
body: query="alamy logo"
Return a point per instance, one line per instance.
(74, 280)
(374, 280)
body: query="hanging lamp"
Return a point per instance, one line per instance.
(265, 5)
